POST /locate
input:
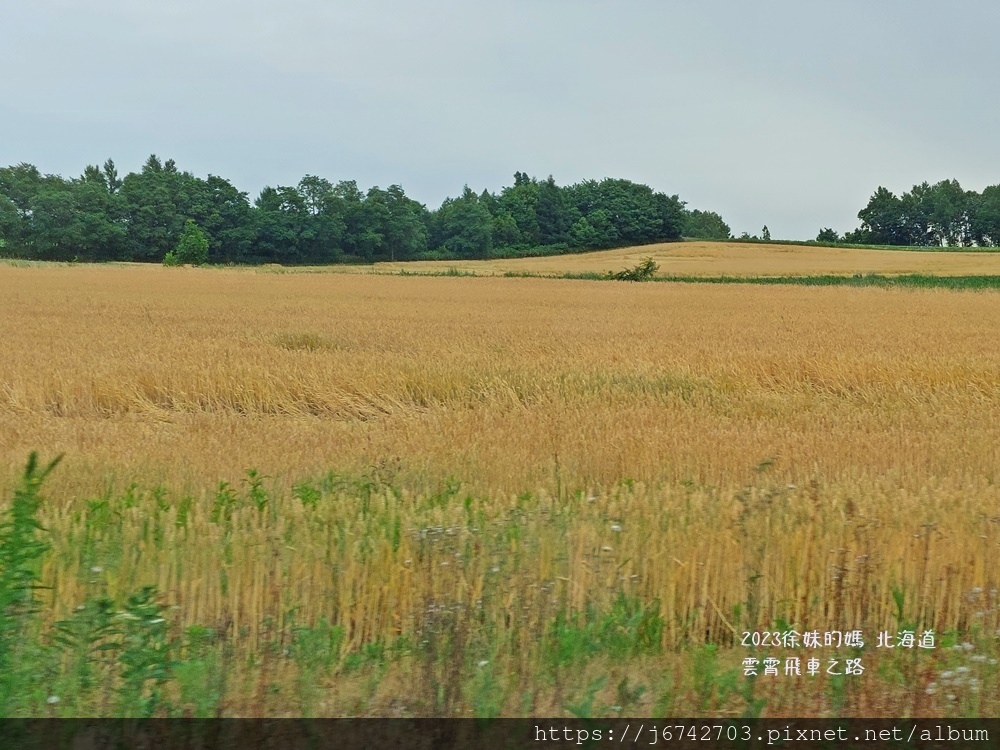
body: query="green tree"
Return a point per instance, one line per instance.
(554, 213)
(99, 218)
(19, 185)
(464, 227)
(154, 214)
(670, 210)
(50, 218)
(111, 177)
(605, 231)
(76, 219)
(705, 225)
(624, 212)
(406, 226)
(193, 245)
(939, 214)
(349, 202)
(322, 229)
(883, 221)
(281, 216)
(583, 234)
(54, 229)
(314, 191)
(827, 235)
(521, 201)
(505, 230)
(984, 217)
(948, 214)
(915, 220)
(9, 226)
(221, 211)
(370, 239)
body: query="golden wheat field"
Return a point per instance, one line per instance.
(729, 259)
(484, 468)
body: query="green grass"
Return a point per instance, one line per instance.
(902, 281)
(883, 281)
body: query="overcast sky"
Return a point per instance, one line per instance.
(787, 112)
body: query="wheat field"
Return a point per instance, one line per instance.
(727, 259)
(484, 468)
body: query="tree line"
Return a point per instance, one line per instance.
(144, 215)
(943, 214)
(151, 214)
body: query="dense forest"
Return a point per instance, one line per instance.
(162, 212)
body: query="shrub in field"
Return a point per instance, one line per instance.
(191, 248)
(642, 272)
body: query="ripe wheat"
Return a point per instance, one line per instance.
(506, 450)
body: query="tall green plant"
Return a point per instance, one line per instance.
(146, 654)
(191, 248)
(21, 553)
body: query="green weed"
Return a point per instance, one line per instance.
(21, 553)
(644, 271)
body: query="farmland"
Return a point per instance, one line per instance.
(731, 258)
(386, 495)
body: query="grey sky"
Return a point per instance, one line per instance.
(788, 113)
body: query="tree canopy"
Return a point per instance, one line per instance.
(942, 214)
(706, 225)
(143, 215)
